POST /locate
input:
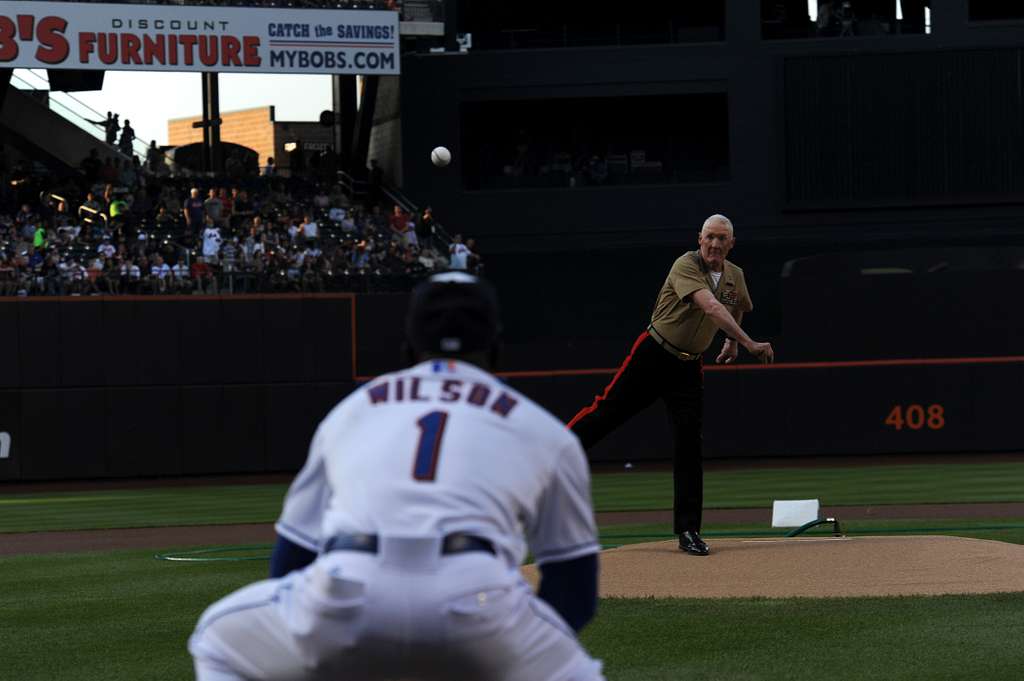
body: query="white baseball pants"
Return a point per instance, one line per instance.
(405, 613)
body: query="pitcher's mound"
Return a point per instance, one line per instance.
(812, 567)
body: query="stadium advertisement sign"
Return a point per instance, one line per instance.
(186, 38)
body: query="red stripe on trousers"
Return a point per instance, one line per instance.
(600, 398)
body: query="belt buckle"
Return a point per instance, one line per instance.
(454, 543)
(364, 541)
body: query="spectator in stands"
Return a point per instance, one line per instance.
(110, 277)
(430, 260)
(251, 248)
(213, 207)
(312, 277)
(294, 232)
(399, 224)
(181, 277)
(39, 237)
(91, 203)
(75, 276)
(228, 206)
(458, 254)
(425, 228)
(92, 166)
(8, 275)
(229, 261)
(269, 170)
(140, 172)
(336, 214)
(128, 177)
(108, 196)
(26, 217)
(310, 230)
(338, 197)
(257, 229)
(127, 138)
(409, 239)
(111, 128)
(321, 201)
(163, 219)
(169, 199)
(376, 221)
(109, 172)
(106, 249)
(153, 157)
(22, 275)
(194, 211)
(202, 276)
(119, 208)
(360, 256)
(211, 242)
(93, 276)
(348, 224)
(242, 208)
(131, 276)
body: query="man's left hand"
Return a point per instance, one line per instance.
(728, 354)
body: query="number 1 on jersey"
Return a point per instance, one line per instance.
(429, 448)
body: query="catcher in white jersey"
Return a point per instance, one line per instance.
(400, 541)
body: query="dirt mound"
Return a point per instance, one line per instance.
(812, 567)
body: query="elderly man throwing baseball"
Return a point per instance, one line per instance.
(703, 293)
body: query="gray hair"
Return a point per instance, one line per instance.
(717, 217)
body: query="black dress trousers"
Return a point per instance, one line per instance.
(650, 373)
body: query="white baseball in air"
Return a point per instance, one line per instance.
(440, 156)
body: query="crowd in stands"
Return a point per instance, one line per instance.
(127, 230)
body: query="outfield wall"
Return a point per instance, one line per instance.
(139, 386)
(126, 387)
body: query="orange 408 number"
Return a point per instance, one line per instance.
(916, 417)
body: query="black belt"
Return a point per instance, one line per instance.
(667, 346)
(368, 543)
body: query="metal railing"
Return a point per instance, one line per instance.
(90, 215)
(354, 189)
(399, 198)
(76, 111)
(357, 190)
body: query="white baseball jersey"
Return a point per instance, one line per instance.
(211, 241)
(444, 447)
(459, 256)
(440, 448)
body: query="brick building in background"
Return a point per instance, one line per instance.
(257, 130)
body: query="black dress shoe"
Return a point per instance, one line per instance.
(692, 543)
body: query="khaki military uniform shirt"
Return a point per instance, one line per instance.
(678, 319)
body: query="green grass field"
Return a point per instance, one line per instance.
(751, 488)
(126, 615)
